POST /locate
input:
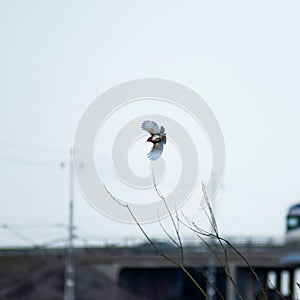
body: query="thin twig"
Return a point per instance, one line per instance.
(176, 228)
(202, 233)
(167, 233)
(158, 250)
(213, 221)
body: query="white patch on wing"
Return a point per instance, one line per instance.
(150, 126)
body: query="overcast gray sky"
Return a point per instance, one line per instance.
(56, 57)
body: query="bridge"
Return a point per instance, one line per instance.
(139, 272)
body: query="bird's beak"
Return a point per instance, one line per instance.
(149, 139)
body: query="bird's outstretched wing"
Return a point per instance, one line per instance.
(151, 127)
(156, 151)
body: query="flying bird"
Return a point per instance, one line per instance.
(158, 138)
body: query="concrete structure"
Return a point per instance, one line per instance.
(143, 274)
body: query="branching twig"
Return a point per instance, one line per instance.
(200, 233)
(157, 249)
(220, 240)
(176, 228)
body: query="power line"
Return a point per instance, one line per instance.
(23, 161)
(16, 231)
(18, 235)
(35, 148)
(16, 149)
(33, 225)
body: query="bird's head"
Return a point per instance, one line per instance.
(149, 139)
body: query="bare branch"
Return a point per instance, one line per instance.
(158, 250)
(176, 228)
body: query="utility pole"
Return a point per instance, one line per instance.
(211, 274)
(69, 289)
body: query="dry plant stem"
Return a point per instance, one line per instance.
(176, 228)
(225, 267)
(252, 270)
(200, 233)
(158, 250)
(167, 233)
(212, 220)
(178, 244)
(220, 240)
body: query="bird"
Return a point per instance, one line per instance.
(158, 138)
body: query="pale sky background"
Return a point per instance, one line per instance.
(56, 57)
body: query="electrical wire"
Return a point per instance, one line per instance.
(18, 235)
(17, 150)
(16, 146)
(34, 225)
(21, 161)
(16, 156)
(14, 230)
